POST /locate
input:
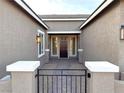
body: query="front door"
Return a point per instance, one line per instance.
(63, 47)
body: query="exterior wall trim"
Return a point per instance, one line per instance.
(64, 32)
(96, 12)
(23, 66)
(65, 19)
(31, 12)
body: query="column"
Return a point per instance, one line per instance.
(101, 78)
(23, 76)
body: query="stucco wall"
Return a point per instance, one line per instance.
(100, 38)
(64, 25)
(119, 86)
(17, 35)
(121, 47)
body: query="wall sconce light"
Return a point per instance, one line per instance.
(38, 39)
(122, 32)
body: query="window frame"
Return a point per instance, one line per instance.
(52, 46)
(42, 46)
(76, 45)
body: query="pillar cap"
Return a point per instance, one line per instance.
(101, 66)
(23, 66)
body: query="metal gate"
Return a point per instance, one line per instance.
(61, 81)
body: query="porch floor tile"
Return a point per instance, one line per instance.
(63, 64)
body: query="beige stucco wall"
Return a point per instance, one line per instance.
(101, 82)
(119, 86)
(17, 35)
(28, 79)
(100, 38)
(5, 86)
(64, 25)
(121, 46)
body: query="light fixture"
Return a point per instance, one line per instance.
(38, 39)
(122, 32)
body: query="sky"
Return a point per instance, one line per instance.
(63, 6)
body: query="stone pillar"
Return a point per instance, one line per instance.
(101, 76)
(23, 76)
(47, 54)
(80, 55)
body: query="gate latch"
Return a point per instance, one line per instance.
(88, 75)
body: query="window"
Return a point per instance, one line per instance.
(41, 46)
(73, 45)
(54, 46)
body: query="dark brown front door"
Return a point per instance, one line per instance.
(63, 48)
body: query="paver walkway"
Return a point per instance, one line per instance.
(63, 64)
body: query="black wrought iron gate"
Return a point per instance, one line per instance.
(61, 81)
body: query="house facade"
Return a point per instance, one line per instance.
(25, 36)
(63, 35)
(20, 25)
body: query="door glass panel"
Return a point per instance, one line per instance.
(41, 50)
(63, 47)
(54, 45)
(72, 46)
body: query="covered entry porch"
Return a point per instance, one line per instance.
(63, 44)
